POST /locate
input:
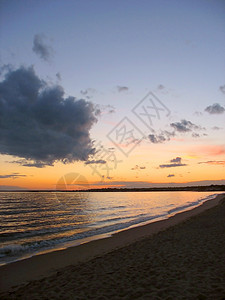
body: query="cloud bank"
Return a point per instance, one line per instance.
(40, 125)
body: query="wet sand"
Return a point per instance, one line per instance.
(182, 257)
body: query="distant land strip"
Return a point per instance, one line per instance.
(205, 188)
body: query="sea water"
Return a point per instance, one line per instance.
(36, 222)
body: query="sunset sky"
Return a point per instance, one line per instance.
(111, 93)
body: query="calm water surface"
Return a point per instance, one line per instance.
(33, 222)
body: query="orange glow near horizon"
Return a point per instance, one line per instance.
(140, 168)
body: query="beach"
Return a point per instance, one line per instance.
(178, 258)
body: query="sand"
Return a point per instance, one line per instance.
(179, 258)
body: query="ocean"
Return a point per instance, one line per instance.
(36, 222)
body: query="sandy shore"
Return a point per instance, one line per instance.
(182, 257)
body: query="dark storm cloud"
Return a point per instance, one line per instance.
(185, 126)
(176, 162)
(122, 88)
(12, 176)
(40, 125)
(44, 51)
(215, 108)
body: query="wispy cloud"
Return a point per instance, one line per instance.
(171, 175)
(161, 87)
(104, 109)
(12, 176)
(222, 88)
(88, 93)
(58, 76)
(138, 168)
(216, 128)
(11, 188)
(122, 88)
(213, 162)
(195, 135)
(43, 50)
(198, 113)
(31, 163)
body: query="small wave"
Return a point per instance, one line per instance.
(32, 233)
(191, 204)
(113, 219)
(12, 250)
(120, 206)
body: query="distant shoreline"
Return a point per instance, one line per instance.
(204, 188)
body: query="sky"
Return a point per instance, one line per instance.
(111, 93)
